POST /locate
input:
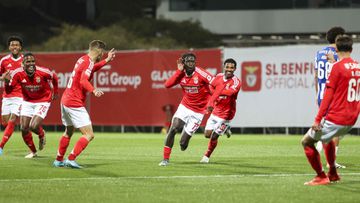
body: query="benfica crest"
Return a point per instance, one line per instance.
(251, 78)
(196, 80)
(38, 79)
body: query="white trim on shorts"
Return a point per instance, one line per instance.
(74, 116)
(329, 131)
(217, 124)
(192, 119)
(31, 109)
(11, 105)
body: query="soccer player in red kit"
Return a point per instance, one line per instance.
(187, 118)
(222, 104)
(340, 107)
(39, 87)
(73, 112)
(12, 97)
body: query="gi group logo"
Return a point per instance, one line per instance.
(251, 76)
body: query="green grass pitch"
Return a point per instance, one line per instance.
(124, 168)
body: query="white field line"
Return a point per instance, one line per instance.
(167, 177)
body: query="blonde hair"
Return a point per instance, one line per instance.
(97, 44)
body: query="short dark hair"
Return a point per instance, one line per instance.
(333, 33)
(230, 60)
(344, 43)
(97, 44)
(14, 38)
(184, 55)
(27, 54)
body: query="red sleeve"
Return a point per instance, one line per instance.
(84, 81)
(232, 90)
(14, 80)
(218, 90)
(55, 83)
(99, 65)
(325, 103)
(175, 79)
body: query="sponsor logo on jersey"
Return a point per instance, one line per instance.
(23, 81)
(9, 65)
(251, 75)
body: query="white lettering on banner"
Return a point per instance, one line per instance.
(159, 77)
(288, 83)
(114, 82)
(127, 80)
(289, 75)
(63, 79)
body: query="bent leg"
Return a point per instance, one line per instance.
(64, 142)
(81, 144)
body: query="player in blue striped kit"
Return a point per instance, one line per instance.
(324, 60)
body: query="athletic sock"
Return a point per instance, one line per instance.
(313, 157)
(211, 146)
(329, 150)
(63, 145)
(78, 148)
(41, 132)
(29, 142)
(167, 152)
(7, 133)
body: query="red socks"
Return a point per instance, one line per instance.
(79, 147)
(211, 146)
(41, 132)
(29, 142)
(63, 145)
(313, 157)
(7, 133)
(330, 155)
(167, 152)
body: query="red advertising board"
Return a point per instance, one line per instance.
(133, 84)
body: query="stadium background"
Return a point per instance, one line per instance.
(278, 37)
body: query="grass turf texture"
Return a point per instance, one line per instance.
(124, 168)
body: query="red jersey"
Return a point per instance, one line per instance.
(10, 63)
(342, 94)
(39, 87)
(225, 101)
(195, 88)
(79, 83)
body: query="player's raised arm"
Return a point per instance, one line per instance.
(176, 78)
(110, 57)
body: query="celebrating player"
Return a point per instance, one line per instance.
(12, 97)
(39, 87)
(73, 112)
(340, 107)
(323, 64)
(222, 104)
(187, 118)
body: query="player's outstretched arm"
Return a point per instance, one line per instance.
(6, 76)
(110, 57)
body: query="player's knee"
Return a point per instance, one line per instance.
(175, 129)
(90, 136)
(183, 145)
(207, 134)
(33, 127)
